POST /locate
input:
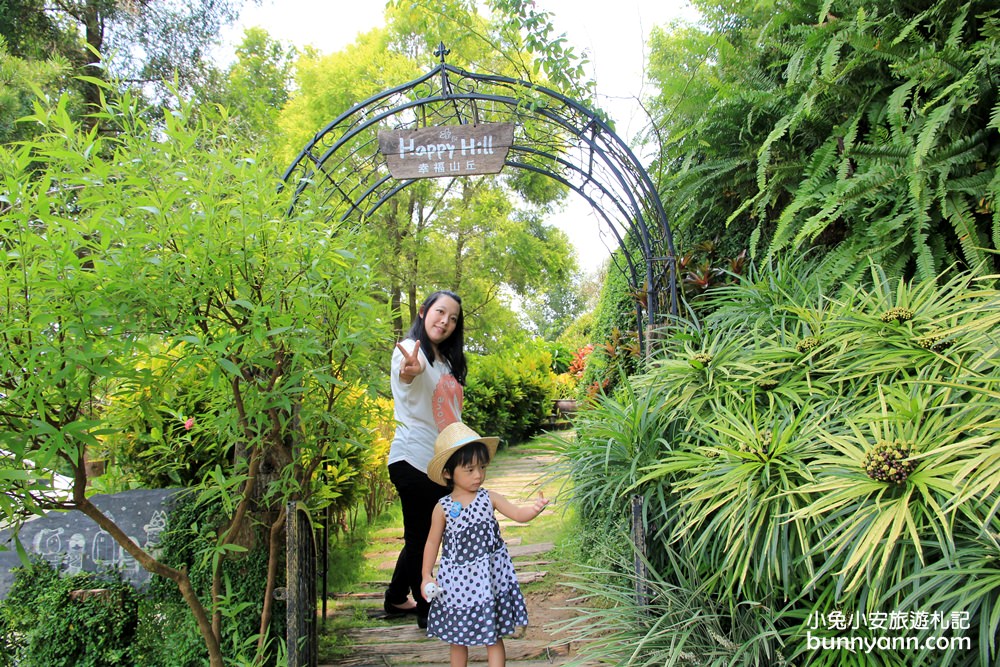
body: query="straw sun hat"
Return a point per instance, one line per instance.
(452, 438)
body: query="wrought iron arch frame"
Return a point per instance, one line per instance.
(341, 170)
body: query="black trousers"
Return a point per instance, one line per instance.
(417, 496)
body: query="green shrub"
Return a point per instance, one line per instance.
(613, 334)
(83, 620)
(510, 394)
(801, 453)
(169, 636)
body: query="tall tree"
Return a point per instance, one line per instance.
(464, 234)
(20, 79)
(255, 87)
(33, 33)
(132, 258)
(146, 43)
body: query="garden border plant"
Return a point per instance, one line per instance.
(814, 452)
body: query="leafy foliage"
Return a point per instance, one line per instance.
(803, 452)
(616, 343)
(19, 79)
(509, 394)
(139, 253)
(255, 87)
(866, 130)
(468, 235)
(168, 634)
(55, 620)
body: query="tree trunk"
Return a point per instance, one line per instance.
(272, 577)
(94, 34)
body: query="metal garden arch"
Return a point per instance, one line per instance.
(342, 170)
(342, 173)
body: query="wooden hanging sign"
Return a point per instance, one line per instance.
(446, 150)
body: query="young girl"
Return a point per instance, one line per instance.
(480, 600)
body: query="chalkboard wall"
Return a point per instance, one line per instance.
(72, 541)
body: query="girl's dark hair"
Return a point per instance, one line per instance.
(451, 348)
(474, 452)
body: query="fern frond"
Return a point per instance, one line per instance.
(959, 25)
(958, 211)
(824, 10)
(932, 66)
(796, 65)
(967, 85)
(831, 57)
(821, 166)
(887, 231)
(990, 199)
(913, 24)
(875, 48)
(924, 255)
(995, 117)
(870, 183)
(929, 132)
(964, 151)
(996, 230)
(846, 168)
(891, 152)
(897, 109)
(975, 185)
(779, 131)
(841, 265)
(817, 223)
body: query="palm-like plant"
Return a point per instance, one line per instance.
(883, 489)
(966, 586)
(836, 453)
(683, 624)
(737, 484)
(615, 438)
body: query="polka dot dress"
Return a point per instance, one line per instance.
(481, 601)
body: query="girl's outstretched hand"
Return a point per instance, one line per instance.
(521, 513)
(540, 503)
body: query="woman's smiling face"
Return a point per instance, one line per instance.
(441, 318)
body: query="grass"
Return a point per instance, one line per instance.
(349, 564)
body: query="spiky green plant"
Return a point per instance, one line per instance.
(615, 439)
(736, 487)
(682, 623)
(854, 474)
(883, 487)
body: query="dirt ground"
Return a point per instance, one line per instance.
(548, 611)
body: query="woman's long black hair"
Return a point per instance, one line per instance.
(451, 348)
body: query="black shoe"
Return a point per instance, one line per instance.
(392, 611)
(421, 621)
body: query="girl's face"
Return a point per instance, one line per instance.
(441, 318)
(469, 477)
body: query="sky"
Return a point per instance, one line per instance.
(613, 35)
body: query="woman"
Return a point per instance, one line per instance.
(428, 375)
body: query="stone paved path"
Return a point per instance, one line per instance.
(381, 642)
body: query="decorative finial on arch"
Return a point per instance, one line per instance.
(441, 52)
